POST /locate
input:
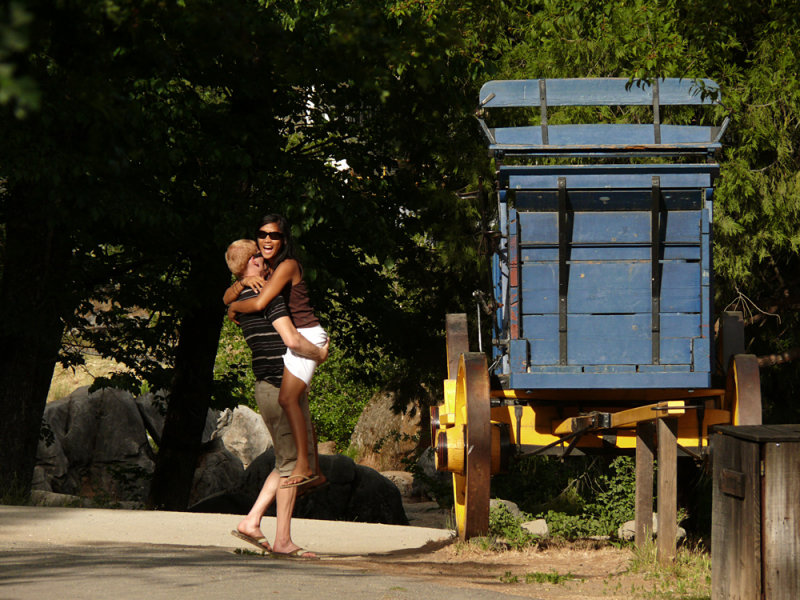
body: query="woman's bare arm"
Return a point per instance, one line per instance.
(251, 281)
(282, 275)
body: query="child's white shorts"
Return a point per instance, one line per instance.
(301, 367)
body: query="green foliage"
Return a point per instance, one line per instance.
(508, 528)
(21, 90)
(608, 502)
(578, 498)
(340, 389)
(233, 373)
(539, 483)
(509, 577)
(552, 576)
(614, 499)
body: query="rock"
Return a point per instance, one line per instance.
(375, 499)
(95, 445)
(326, 448)
(41, 498)
(153, 409)
(354, 493)
(627, 531)
(39, 480)
(52, 465)
(383, 437)
(428, 514)
(212, 416)
(244, 434)
(427, 480)
(537, 527)
(403, 480)
(509, 506)
(217, 469)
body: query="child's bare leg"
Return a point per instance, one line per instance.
(291, 391)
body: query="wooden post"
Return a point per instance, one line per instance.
(667, 489)
(736, 518)
(645, 438)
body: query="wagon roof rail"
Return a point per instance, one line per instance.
(586, 139)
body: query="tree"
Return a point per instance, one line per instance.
(129, 164)
(747, 48)
(164, 122)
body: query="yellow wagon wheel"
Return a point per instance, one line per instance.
(457, 343)
(472, 415)
(743, 390)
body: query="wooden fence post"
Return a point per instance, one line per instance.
(645, 444)
(667, 489)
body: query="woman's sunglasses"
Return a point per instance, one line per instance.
(273, 235)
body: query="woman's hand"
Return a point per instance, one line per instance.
(254, 282)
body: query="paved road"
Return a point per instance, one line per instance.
(93, 554)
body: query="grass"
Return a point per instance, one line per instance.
(688, 577)
(553, 577)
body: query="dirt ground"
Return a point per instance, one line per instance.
(594, 571)
(587, 569)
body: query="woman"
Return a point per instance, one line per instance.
(285, 277)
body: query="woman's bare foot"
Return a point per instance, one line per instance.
(299, 478)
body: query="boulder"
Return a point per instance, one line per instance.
(243, 433)
(403, 480)
(510, 506)
(536, 527)
(326, 448)
(95, 445)
(354, 493)
(217, 470)
(153, 409)
(384, 438)
(427, 480)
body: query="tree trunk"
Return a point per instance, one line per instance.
(190, 396)
(33, 296)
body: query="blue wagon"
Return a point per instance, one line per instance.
(602, 264)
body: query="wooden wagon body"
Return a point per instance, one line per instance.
(603, 318)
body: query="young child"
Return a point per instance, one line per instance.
(285, 278)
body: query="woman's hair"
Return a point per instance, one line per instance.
(287, 247)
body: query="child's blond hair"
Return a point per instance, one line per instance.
(239, 254)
